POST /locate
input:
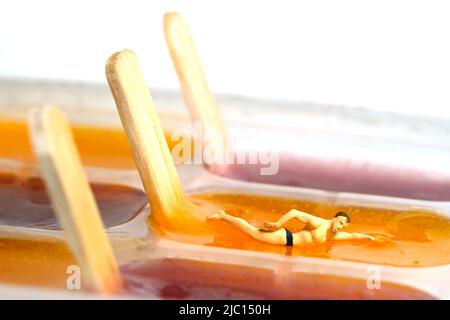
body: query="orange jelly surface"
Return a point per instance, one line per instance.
(24, 202)
(408, 238)
(31, 262)
(101, 147)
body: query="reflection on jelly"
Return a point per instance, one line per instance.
(24, 202)
(408, 238)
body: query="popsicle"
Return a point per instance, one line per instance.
(406, 237)
(336, 172)
(169, 204)
(409, 238)
(73, 200)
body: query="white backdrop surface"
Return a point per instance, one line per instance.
(387, 55)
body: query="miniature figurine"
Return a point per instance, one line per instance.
(316, 230)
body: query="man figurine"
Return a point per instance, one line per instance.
(316, 230)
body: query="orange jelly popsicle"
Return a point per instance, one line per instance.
(406, 238)
(99, 147)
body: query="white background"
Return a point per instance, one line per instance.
(390, 55)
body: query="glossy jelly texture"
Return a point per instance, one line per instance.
(24, 202)
(407, 238)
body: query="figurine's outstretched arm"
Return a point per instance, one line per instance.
(304, 217)
(351, 236)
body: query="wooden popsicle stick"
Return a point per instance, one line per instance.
(72, 199)
(145, 134)
(200, 100)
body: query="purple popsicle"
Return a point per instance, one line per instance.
(295, 169)
(345, 175)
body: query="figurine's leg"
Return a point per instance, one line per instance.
(276, 237)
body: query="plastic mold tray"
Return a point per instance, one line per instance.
(136, 245)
